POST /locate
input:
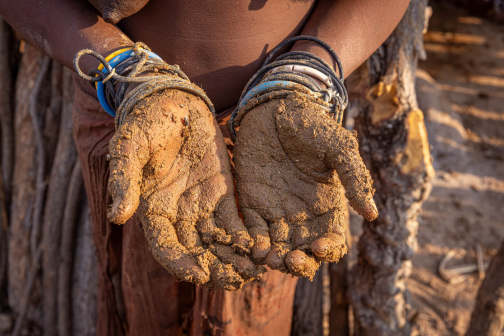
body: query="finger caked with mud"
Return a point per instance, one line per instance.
(221, 269)
(330, 230)
(128, 150)
(329, 247)
(259, 231)
(167, 250)
(276, 258)
(188, 236)
(226, 217)
(210, 233)
(315, 134)
(221, 275)
(242, 264)
(280, 234)
(301, 264)
(352, 172)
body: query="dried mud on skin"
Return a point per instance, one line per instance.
(291, 160)
(169, 160)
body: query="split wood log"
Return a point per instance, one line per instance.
(394, 145)
(488, 315)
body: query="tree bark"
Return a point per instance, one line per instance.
(488, 315)
(394, 145)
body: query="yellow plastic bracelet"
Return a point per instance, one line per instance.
(111, 56)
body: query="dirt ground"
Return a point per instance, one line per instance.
(461, 91)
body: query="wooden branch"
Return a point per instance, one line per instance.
(66, 252)
(53, 214)
(39, 143)
(29, 285)
(488, 315)
(53, 112)
(481, 264)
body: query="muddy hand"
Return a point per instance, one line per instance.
(291, 162)
(169, 160)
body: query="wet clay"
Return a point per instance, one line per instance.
(292, 159)
(169, 160)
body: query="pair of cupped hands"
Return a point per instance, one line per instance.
(169, 164)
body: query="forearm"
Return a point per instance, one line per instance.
(353, 28)
(61, 28)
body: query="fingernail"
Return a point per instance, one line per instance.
(296, 261)
(371, 211)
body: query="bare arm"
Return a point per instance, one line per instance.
(353, 28)
(63, 27)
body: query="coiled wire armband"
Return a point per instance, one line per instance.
(128, 70)
(272, 82)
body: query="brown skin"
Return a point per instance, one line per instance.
(292, 160)
(219, 44)
(113, 11)
(180, 180)
(223, 47)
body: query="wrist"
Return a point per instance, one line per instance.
(316, 50)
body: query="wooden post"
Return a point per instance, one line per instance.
(394, 145)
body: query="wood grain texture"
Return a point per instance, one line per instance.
(393, 143)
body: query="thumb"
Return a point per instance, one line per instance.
(128, 155)
(343, 155)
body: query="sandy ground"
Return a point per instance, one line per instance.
(461, 91)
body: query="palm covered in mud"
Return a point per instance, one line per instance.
(291, 162)
(169, 160)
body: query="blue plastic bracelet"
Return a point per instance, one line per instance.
(257, 90)
(100, 88)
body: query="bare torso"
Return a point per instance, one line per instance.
(219, 44)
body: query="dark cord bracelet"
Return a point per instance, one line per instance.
(266, 84)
